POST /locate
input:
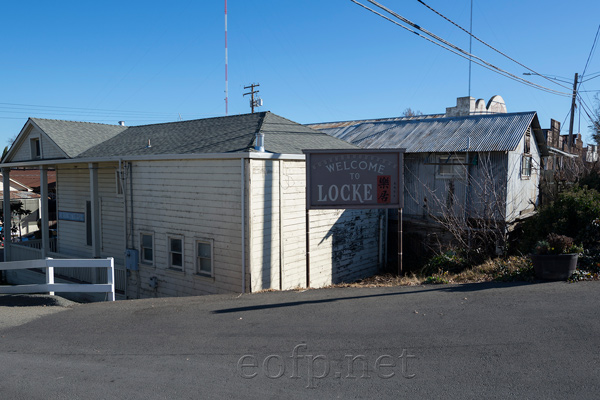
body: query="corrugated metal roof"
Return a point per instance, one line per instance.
(484, 133)
(340, 124)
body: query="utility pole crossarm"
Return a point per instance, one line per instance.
(252, 92)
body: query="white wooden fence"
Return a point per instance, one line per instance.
(51, 287)
(30, 251)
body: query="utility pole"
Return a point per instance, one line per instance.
(573, 112)
(253, 103)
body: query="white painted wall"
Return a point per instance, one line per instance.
(201, 200)
(344, 244)
(194, 199)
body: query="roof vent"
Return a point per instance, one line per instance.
(122, 123)
(260, 142)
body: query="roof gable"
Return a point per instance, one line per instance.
(21, 149)
(74, 138)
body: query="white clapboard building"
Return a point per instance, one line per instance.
(193, 207)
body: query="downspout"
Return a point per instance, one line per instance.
(130, 174)
(121, 183)
(243, 194)
(137, 272)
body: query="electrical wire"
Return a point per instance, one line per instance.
(119, 112)
(488, 45)
(591, 52)
(456, 50)
(459, 49)
(594, 76)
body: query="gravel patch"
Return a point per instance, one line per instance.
(20, 309)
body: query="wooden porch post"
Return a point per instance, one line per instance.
(44, 211)
(7, 213)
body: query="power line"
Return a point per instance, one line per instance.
(455, 49)
(119, 112)
(486, 44)
(591, 52)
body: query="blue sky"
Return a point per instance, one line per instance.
(149, 62)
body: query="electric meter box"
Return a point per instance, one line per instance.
(132, 259)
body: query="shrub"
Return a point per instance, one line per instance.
(436, 280)
(514, 269)
(449, 261)
(575, 213)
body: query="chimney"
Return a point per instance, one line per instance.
(122, 123)
(260, 142)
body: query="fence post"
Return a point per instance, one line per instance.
(110, 277)
(49, 275)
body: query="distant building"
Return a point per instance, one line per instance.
(477, 161)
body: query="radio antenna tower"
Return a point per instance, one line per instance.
(226, 78)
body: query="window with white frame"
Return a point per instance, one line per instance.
(526, 166)
(526, 160)
(450, 166)
(527, 144)
(176, 252)
(204, 257)
(147, 248)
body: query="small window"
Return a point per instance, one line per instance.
(176, 253)
(119, 182)
(526, 166)
(147, 248)
(204, 258)
(36, 150)
(450, 166)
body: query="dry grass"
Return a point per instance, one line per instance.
(510, 269)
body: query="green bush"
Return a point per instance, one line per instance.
(436, 280)
(575, 213)
(449, 261)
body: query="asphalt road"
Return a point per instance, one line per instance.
(492, 341)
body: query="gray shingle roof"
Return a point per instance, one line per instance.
(212, 135)
(76, 137)
(491, 132)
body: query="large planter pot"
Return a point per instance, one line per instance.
(554, 267)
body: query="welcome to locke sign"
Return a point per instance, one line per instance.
(340, 179)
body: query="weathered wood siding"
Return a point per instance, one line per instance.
(478, 189)
(192, 199)
(344, 245)
(522, 192)
(73, 191)
(48, 149)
